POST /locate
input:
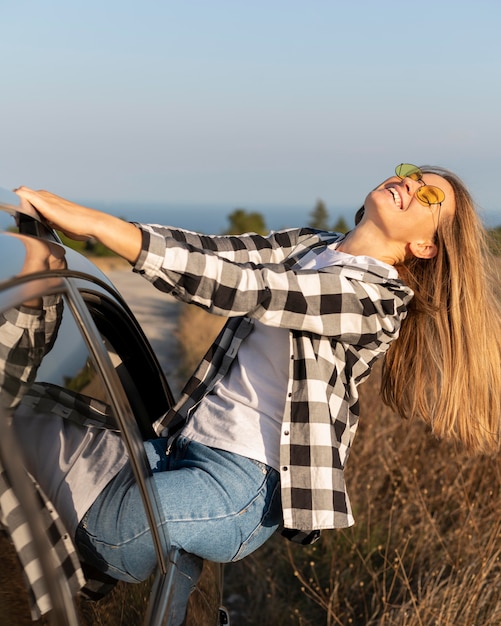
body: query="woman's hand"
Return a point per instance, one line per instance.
(75, 221)
(79, 222)
(40, 256)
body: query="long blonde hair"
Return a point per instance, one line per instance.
(445, 367)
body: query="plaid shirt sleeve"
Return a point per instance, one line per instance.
(336, 302)
(26, 336)
(249, 247)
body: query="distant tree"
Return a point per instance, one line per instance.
(241, 221)
(495, 240)
(341, 226)
(319, 217)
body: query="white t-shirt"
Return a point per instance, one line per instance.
(243, 413)
(72, 463)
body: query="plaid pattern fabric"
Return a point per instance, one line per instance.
(341, 319)
(63, 553)
(26, 335)
(76, 407)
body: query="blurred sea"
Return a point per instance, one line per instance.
(213, 218)
(207, 218)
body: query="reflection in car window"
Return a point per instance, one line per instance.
(59, 391)
(68, 363)
(51, 384)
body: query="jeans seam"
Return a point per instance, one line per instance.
(262, 466)
(245, 543)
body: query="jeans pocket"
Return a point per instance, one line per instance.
(269, 521)
(262, 466)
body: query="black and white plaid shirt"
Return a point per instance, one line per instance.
(341, 319)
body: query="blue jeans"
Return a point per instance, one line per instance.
(215, 505)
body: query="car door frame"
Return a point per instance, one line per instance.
(63, 604)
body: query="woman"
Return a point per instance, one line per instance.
(262, 432)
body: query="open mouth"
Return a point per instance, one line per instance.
(396, 197)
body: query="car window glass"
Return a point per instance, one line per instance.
(147, 390)
(68, 364)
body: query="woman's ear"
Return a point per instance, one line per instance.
(423, 249)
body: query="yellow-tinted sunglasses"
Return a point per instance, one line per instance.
(427, 194)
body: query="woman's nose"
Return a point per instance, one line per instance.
(412, 185)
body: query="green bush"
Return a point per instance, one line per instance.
(89, 247)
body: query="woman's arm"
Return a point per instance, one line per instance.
(26, 335)
(248, 247)
(341, 303)
(124, 238)
(28, 332)
(79, 222)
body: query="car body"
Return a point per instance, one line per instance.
(98, 352)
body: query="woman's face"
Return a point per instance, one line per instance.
(403, 218)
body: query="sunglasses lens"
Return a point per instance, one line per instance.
(430, 195)
(406, 170)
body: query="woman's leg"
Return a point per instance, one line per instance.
(214, 504)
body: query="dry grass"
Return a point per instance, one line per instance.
(196, 332)
(426, 548)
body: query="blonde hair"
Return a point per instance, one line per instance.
(445, 367)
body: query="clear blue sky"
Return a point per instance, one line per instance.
(247, 102)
